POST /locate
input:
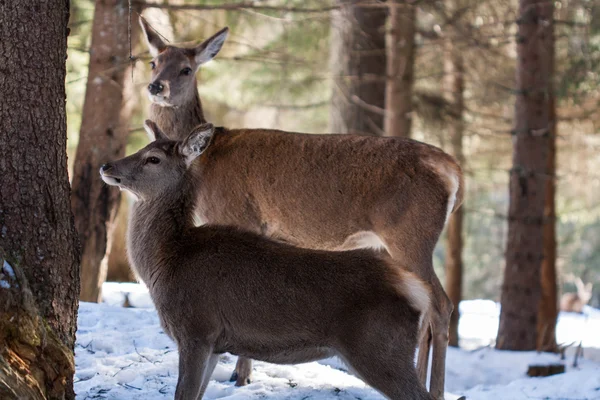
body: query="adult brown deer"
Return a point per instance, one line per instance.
(317, 191)
(574, 302)
(221, 289)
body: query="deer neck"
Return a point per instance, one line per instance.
(155, 231)
(179, 121)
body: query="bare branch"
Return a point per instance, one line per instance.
(254, 5)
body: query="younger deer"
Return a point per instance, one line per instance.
(221, 289)
(574, 302)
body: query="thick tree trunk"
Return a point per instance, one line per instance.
(358, 63)
(39, 279)
(454, 85)
(521, 290)
(400, 53)
(103, 135)
(548, 312)
(34, 362)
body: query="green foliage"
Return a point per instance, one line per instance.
(581, 243)
(583, 72)
(282, 73)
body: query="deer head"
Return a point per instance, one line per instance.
(160, 167)
(173, 81)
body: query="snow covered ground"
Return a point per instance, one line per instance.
(122, 353)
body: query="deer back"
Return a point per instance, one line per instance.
(318, 189)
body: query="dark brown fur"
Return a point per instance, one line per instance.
(221, 289)
(323, 192)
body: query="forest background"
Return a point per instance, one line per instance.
(280, 69)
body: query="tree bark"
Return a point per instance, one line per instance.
(358, 64)
(454, 85)
(548, 312)
(39, 279)
(105, 120)
(400, 53)
(521, 290)
(118, 265)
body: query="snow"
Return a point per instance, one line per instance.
(122, 353)
(9, 270)
(6, 270)
(479, 325)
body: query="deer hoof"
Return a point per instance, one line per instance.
(239, 381)
(242, 381)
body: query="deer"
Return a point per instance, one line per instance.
(219, 288)
(325, 192)
(575, 302)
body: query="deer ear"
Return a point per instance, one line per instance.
(155, 43)
(153, 131)
(208, 49)
(197, 141)
(588, 287)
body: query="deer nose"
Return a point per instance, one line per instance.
(155, 88)
(105, 167)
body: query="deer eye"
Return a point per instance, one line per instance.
(152, 64)
(152, 160)
(186, 71)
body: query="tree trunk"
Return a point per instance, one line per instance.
(358, 63)
(39, 259)
(400, 53)
(548, 312)
(521, 290)
(118, 265)
(454, 85)
(105, 120)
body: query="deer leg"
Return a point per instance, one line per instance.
(395, 381)
(434, 330)
(424, 269)
(243, 372)
(424, 346)
(392, 373)
(440, 323)
(193, 360)
(210, 367)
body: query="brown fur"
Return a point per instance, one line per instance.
(320, 191)
(221, 289)
(575, 302)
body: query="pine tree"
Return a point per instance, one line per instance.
(104, 127)
(521, 291)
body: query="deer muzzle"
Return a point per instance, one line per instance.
(155, 88)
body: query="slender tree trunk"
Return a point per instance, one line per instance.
(39, 260)
(103, 135)
(454, 85)
(521, 291)
(400, 53)
(118, 265)
(358, 63)
(548, 312)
